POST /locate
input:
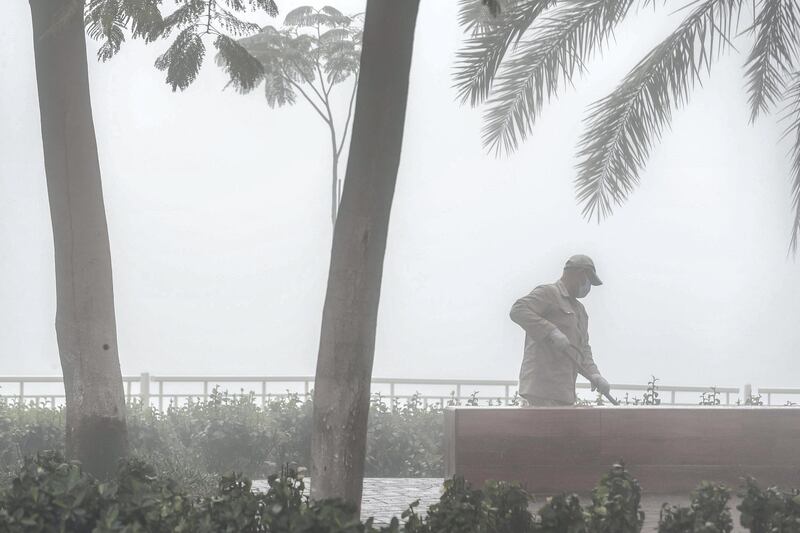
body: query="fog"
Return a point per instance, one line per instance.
(218, 211)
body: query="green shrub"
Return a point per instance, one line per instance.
(616, 503)
(561, 514)
(499, 508)
(769, 510)
(406, 442)
(199, 441)
(708, 512)
(49, 495)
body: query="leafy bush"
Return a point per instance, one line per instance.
(769, 510)
(50, 495)
(406, 442)
(197, 442)
(561, 514)
(616, 503)
(25, 430)
(500, 507)
(707, 513)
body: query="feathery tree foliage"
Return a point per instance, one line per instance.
(109, 21)
(519, 53)
(315, 50)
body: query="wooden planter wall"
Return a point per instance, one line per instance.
(668, 449)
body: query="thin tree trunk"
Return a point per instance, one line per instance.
(347, 343)
(96, 432)
(334, 183)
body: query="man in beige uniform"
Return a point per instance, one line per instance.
(554, 320)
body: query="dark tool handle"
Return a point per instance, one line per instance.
(582, 371)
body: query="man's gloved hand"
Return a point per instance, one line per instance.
(599, 383)
(559, 341)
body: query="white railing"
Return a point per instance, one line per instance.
(162, 391)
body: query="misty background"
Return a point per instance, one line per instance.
(219, 221)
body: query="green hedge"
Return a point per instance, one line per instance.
(49, 495)
(198, 441)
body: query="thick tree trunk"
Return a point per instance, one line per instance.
(347, 344)
(96, 433)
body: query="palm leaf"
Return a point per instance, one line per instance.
(561, 42)
(793, 114)
(777, 30)
(477, 62)
(624, 125)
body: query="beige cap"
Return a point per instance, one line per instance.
(584, 262)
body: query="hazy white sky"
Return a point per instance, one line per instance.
(219, 222)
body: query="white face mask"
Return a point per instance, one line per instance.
(583, 289)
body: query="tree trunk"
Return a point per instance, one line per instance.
(347, 343)
(334, 185)
(96, 432)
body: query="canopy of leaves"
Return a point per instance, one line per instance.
(519, 53)
(315, 49)
(110, 20)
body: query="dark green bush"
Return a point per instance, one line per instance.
(561, 514)
(49, 495)
(769, 510)
(616, 503)
(499, 508)
(708, 512)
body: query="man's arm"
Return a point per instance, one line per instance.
(529, 313)
(592, 372)
(588, 360)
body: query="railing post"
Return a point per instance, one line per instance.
(205, 390)
(391, 396)
(263, 394)
(161, 395)
(672, 397)
(508, 394)
(748, 392)
(22, 393)
(144, 388)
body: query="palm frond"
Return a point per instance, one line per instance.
(777, 30)
(793, 114)
(560, 44)
(478, 60)
(476, 15)
(624, 125)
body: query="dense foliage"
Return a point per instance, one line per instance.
(50, 495)
(202, 439)
(707, 513)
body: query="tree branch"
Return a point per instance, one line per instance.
(305, 95)
(349, 116)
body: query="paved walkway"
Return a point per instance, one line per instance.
(387, 497)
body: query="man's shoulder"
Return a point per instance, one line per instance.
(549, 291)
(547, 288)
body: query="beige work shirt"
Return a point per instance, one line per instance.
(546, 373)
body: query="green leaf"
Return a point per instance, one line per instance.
(183, 59)
(244, 70)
